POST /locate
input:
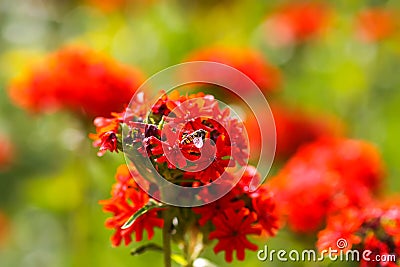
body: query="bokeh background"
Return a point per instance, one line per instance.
(341, 62)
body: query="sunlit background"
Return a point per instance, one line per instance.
(333, 69)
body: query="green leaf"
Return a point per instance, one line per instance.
(161, 123)
(145, 248)
(152, 204)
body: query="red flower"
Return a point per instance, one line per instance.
(342, 226)
(106, 133)
(215, 164)
(307, 128)
(232, 228)
(127, 198)
(375, 24)
(264, 206)
(207, 141)
(108, 5)
(365, 229)
(297, 22)
(377, 247)
(222, 143)
(208, 211)
(77, 79)
(109, 142)
(246, 60)
(107, 129)
(174, 152)
(249, 178)
(324, 177)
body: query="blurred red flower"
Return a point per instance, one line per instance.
(375, 24)
(294, 127)
(246, 60)
(375, 228)
(79, 79)
(108, 5)
(127, 198)
(324, 177)
(297, 22)
(117, 5)
(6, 152)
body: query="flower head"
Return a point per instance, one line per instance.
(248, 61)
(127, 198)
(375, 24)
(296, 22)
(192, 133)
(78, 79)
(232, 229)
(192, 142)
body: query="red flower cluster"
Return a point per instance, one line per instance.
(239, 214)
(78, 79)
(297, 22)
(324, 177)
(6, 152)
(127, 198)
(189, 129)
(222, 145)
(376, 228)
(248, 61)
(375, 24)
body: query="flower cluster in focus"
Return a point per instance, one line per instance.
(203, 127)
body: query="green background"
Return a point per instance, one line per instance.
(50, 192)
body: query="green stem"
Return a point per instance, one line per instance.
(167, 238)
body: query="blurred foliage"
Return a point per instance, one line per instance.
(50, 192)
